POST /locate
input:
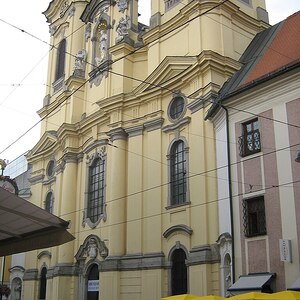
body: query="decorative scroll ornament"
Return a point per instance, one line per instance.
(122, 29)
(64, 8)
(122, 4)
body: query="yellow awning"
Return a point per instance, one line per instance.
(192, 297)
(286, 295)
(252, 296)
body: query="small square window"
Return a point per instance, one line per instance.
(254, 216)
(249, 141)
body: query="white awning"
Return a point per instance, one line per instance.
(253, 282)
(295, 286)
(25, 226)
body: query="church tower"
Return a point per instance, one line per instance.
(125, 153)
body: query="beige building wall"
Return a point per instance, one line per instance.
(114, 104)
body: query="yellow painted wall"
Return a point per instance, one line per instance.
(114, 114)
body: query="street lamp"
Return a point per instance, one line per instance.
(3, 165)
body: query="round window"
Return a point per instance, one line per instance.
(50, 168)
(176, 107)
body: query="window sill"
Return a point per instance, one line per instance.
(251, 156)
(177, 205)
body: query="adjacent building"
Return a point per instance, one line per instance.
(257, 129)
(13, 266)
(125, 153)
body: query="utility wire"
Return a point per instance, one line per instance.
(86, 81)
(203, 174)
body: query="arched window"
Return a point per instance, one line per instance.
(178, 174)
(43, 284)
(60, 60)
(178, 272)
(96, 190)
(49, 202)
(93, 283)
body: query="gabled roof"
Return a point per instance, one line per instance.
(271, 52)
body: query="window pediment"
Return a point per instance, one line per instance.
(178, 228)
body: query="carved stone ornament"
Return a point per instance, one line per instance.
(91, 248)
(64, 8)
(72, 12)
(52, 29)
(102, 11)
(101, 153)
(88, 31)
(80, 62)
(122, 29)
(122, 4)
(103, 47)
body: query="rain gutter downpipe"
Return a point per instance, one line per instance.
(230, 193)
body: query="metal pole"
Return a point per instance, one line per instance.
(3, 269)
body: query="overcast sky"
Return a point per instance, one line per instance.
(24, 65)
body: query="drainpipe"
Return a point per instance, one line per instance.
(230, 194)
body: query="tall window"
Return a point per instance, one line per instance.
(178, 180)
(60, 60)
(49, 202)
(179, 272)
(254, 216)
(43, 284)
(250, 142)
(96, 191)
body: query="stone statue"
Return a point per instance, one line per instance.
(103, 47)
(122, 4)
(122, 29)
(80, 61)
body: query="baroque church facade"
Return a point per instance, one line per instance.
(125, 153)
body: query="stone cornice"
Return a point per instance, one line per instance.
(176, 125)
(117, 134)
(154, 124)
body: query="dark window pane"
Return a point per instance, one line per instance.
(179, 272)
(254, 216)
(49, 202)
(43, 284)
(96, 190)
(93, 275)
(178, 173)
(60, 63)
(176, 107)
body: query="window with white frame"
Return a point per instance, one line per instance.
(250, 141)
